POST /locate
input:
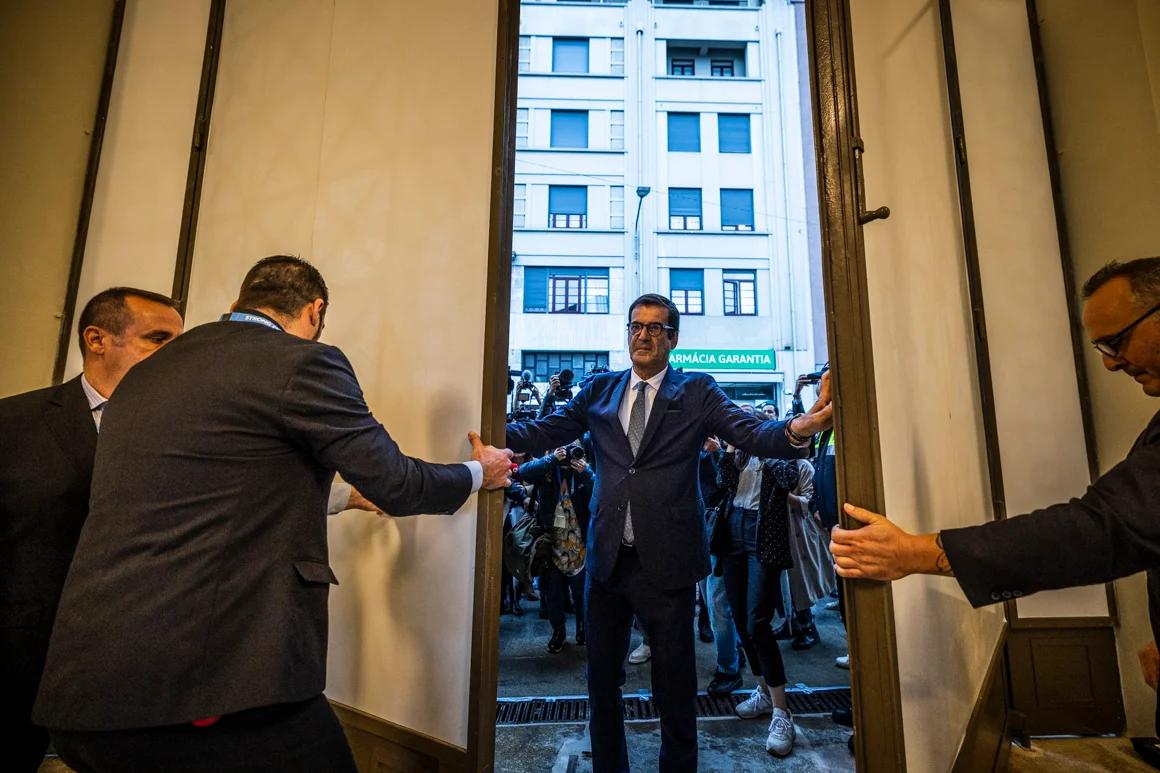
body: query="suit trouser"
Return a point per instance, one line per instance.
(559, 586)
(666, 616)
(303, 737)
(22, 744)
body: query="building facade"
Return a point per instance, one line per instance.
(666, 147)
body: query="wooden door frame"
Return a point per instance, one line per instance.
(876, 695)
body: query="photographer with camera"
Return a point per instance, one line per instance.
(559, 392)
(563, 486)
(525, 398)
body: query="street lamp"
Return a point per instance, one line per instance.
(641, 192)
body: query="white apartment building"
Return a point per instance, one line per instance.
(666, 146)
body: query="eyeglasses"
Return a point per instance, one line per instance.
(1112, 345)
(654, 328)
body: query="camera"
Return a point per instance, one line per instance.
(816, 377)
(575, 453)
(563, 390)
(525, 399)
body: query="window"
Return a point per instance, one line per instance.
(544, 365)
(616, 130)
(569, 129)
(525, 53)
(733, 133)
(521, 127)
(685, 209)
(740, 294)
(520, 206)
(736, 209)
(570, 55)
(721, 68)
(685, 132)
(616, 207)
(617, 63)
(567, 206)
(687, 290)
(685, 67)
(556, 290)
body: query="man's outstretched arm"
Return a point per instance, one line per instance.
(879, 550)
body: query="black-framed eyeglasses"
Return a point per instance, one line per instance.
(654, 328)
(1112, 345)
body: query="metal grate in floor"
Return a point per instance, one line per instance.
(640, 708)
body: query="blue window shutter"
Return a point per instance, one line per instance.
(736, 206)
(685, 132)
(685, 201)
(569, 129)
(733, 133)
(686, 279)
(535, 289)
(567, 200)
(570, 55)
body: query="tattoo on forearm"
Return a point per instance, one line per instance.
(942, 564)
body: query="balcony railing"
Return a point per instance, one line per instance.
(712, 3)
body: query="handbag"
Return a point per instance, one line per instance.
(525, 549)
(568, 551)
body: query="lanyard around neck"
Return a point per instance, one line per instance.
(257, 319)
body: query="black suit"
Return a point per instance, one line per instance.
(200, 582)
(49, 439)
(1112, 531)
(655, 579)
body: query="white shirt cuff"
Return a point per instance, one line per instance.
(339, 497)
(476, 475)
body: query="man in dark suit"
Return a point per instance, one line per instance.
(1111, 531)
(646, 537)
(192, 628)
(50, 436)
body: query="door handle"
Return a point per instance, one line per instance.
(864, 215)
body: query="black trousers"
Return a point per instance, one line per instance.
(303, 737)
(559, 585)
(22, 651)
(666, 617)
(754, 592)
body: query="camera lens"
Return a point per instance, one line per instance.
(575, 452)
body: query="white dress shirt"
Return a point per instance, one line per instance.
(630, 397)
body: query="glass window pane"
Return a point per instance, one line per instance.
(685, 132)
(733, 133)
(569, 129)
(570, 55)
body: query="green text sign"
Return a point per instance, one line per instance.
(724, 359)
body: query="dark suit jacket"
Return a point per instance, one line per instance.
(661, 481)
(45, 469)
(200, 581)
(1112, 531)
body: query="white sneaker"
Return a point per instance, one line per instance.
(842, 661)
(640, 654)
(779, 742)
(755, 705)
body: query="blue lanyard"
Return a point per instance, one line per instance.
(257, 319)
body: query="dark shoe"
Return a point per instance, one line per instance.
(724, 684)
(843, 717)
(556, 643)
(517, 610)
(704, 632)
(783, 633)
(531, 595)
(850, 743)
(806, 638)
(581, 640)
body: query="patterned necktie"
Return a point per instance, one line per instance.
(635, 433)
(98, 411)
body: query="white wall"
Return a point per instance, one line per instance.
(931, 432)
(1026, 305)
(359, 134)
(140, 190)
(52, 58)
(1103, 74)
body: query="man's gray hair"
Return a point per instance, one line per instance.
(1143, 274)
